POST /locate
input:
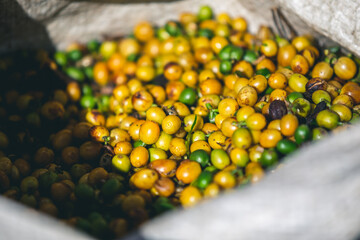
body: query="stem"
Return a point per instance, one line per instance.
(106, 140)
(188, 137)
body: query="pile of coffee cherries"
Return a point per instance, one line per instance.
(106, 135)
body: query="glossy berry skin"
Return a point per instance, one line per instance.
(269, 138)
(171, 124)
(144, 179)
(327, 119)
(149, 132)
(139, 156)
(286, 146)
(219, 158)
(269, 158)
(288, 125)
(190, 196)
(188, 96)
(200, 156)
(188, 171)
(345, 68)
(242, 138)
(121, 163)
(256, 121)
(302, 134)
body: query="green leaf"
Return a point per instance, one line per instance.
(106, 140)
(193, 125)
(208, 106)
(189, 135)
(212, 115)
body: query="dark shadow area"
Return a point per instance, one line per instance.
(357, 237)
(136, 235)
(20, 37)
(19, 31)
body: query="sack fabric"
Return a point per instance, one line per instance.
(313, 195)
